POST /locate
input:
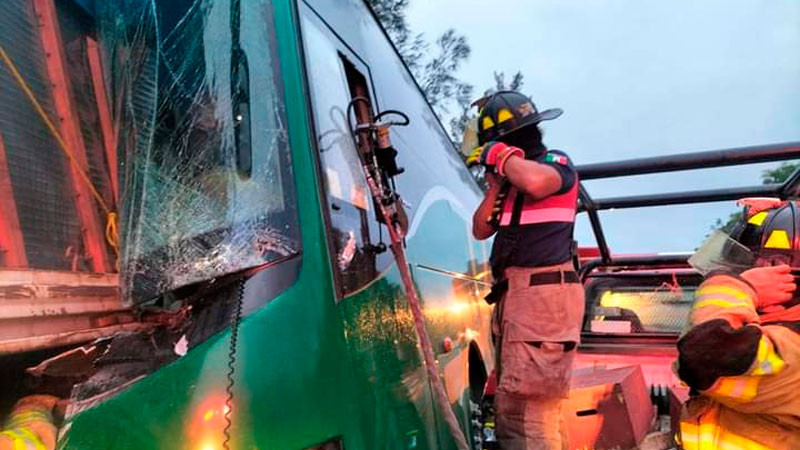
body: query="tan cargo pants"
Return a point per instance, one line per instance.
(538, 329)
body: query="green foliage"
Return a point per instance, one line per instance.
(769, 176)
(438, 79)
(780, 173)
(391, 14)
(728, 225)
(434, 65)
(500, 82)
(412, 47)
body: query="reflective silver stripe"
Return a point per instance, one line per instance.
(19, 419)
(24, 439)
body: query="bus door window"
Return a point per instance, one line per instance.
(335, 77)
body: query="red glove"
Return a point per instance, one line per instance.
(773, 284)
(494, 155)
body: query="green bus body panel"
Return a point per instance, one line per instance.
(310, 369)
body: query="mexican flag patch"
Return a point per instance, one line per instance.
(558, 159)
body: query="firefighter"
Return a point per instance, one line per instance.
(741, 354)
(30, 426)
(530, 204)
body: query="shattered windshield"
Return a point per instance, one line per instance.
(206, 175)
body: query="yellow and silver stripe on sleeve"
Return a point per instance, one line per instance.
(22, 418)
(721, 296)
(708, 435)
(742, 388)
(24, 439)
(767, 362)
(708, 439)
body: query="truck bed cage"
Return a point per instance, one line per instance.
(671, 163)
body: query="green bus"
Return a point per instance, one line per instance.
(191, 254)
(242, 195)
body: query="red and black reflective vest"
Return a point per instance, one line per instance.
(535, 233)
(560, 208)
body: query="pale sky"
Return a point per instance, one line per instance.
(642, 78)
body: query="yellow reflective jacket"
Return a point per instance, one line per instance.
(30, 425)
(745, 374)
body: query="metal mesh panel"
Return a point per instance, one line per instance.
(37, 167)
(75, 27)
(663, 309)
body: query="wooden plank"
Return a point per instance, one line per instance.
(12, 244)
(38, 308)
(104, 112)
(92, 228)
(10, 277)
(39, 342)
(28, 294)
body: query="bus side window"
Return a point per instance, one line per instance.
(353, 231)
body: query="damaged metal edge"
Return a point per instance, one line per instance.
(68, 338)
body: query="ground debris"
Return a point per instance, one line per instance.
(658, 440)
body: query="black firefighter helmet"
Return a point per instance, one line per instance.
(770, 228)
(504, 112)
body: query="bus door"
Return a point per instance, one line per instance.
(397, 409)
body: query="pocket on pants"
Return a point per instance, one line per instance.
(533, 368)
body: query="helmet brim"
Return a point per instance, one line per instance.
(549, 114)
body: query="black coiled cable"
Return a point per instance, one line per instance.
(236, 318)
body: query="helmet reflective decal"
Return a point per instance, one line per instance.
(526, 109)
(503, 112)
(758, 218)
(778, 239)
(504, 115)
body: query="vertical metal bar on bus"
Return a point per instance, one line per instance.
(91, 225)
(12, 244)
(397, 236)
(104, 113)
